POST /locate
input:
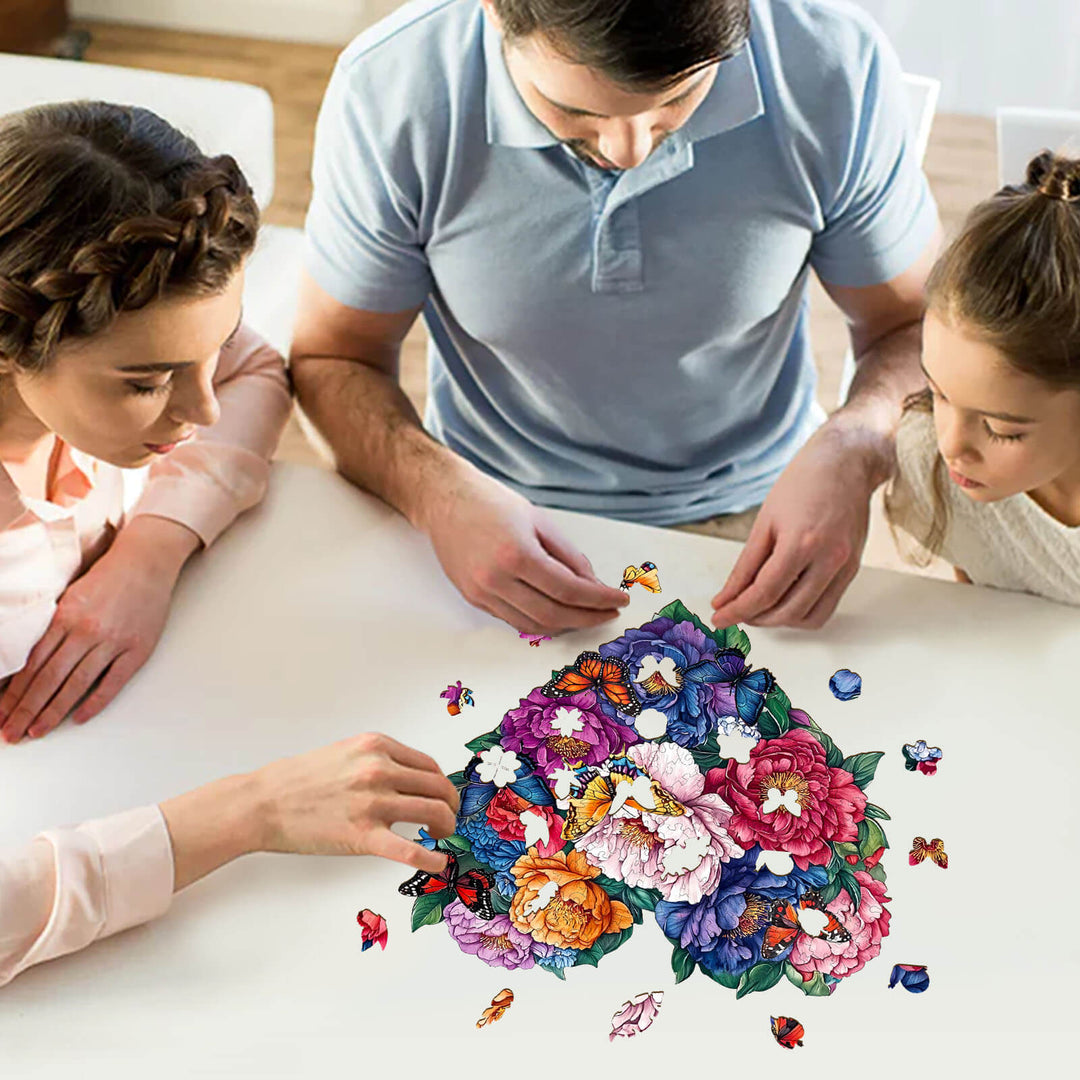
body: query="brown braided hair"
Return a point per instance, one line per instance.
(1012, 277)
(103, 209)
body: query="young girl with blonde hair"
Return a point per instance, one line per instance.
(989, 454)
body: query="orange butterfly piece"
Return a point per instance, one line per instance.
(935, 850)
(645, 575)
(605, 675)
(499, 1004)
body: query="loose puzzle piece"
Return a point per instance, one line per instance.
(935, 850)
(495, 1011)
(921, 757)
(787, 1031)
(372, 929)
(912, 977)
(535, 639)
(645, 575)
(663, 779)
(457, 696)
(846, 685)
(635, 1015)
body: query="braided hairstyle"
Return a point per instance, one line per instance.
(103, 209)
(1012, 277)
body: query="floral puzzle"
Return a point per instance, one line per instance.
(663, 779)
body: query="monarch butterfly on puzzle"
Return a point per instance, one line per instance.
(935, 850)
(601, 794)
(788, 922)
(605, 675)
(473, 888)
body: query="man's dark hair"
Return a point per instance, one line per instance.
(636, 43)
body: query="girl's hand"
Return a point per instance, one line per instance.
(105, 627)
(339, 800)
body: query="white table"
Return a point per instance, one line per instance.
(321, 615)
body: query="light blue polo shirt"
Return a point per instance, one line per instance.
(631, 344)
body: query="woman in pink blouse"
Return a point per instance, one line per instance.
(137, 419)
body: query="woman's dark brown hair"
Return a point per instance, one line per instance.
(1012, 278)
(103, 209)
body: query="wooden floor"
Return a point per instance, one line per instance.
(960, 162)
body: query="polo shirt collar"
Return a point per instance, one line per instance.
(733, 100)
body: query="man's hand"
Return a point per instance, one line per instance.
(506, 557)
(105, 627)
(808, 539)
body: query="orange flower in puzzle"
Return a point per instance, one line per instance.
(557, 901)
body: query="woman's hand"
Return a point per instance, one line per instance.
(105, 627)
(339, 800)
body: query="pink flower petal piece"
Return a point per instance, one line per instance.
(635, 1015)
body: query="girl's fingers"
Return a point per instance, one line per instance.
(73, 690)
(389, 845)
(18, 682)
(418, 810)
(44, 686)
(429, 784)
(120, 671)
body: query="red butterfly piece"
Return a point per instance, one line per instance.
(787, 1031)
(935, 850)
(787, 923)
(605, 675)
(473, 888)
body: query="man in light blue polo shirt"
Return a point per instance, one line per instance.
(608, 215)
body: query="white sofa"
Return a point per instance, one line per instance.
(222, 117)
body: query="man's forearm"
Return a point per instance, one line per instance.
(886, 373)
(378, 440)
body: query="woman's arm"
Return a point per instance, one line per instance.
(71, 887)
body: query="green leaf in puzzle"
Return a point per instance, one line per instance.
(588, 957)
(483, 742)
(457, 779)
(760, 977)
(727, 979)
(862, 766)
(877, 872)
(500, 904)
(779, 705)
(678, 612)
(682, 963)
(874, 838)
(768, 726)
(557, 972)
(815, 987)
(732, 637)
(849, 882)
(427, 909)
(455, 843)
(873, 811)
(833, 757)
(830, 891)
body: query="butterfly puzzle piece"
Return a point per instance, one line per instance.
(810, 918)
(919, 756)
(534, 639)
(750, 686)
(601, 793)
(787, 1031)
(473, 888)
(372, 929)
(457, 696)
(606, 676)
(495, 1011)
(912, 977)
(934, 850)
(645, 575)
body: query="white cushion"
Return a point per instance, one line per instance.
(222, 117)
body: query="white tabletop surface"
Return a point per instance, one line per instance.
(321, 615)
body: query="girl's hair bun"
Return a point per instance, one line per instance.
(1055, 176)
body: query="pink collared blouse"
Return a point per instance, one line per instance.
(72, 886)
